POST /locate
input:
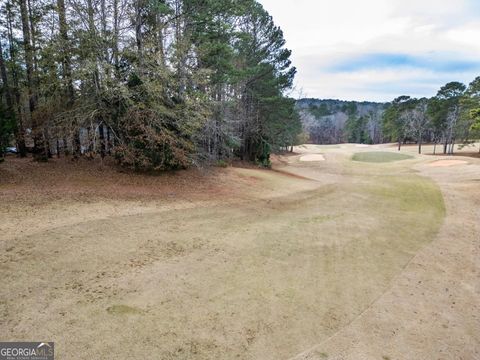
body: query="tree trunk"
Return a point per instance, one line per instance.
(116, 59)
(48, 152)
(66, 62)
(38, 142)
(20, 130)
(452, 147)
(109, 141)
(8, 95)
(6, 87)
(77, 145)
(451, 137)
(420, 143)
(180, 42)
(161, 46)
(102, 141)
(93, 41)
(138, 31)
(106, 53)
(33, 37)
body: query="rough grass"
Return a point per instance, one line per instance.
(379, 157)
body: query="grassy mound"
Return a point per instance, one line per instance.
(379, 157)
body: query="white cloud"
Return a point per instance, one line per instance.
(323, 33)
(468, 34)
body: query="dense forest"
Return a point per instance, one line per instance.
(156, 84)
(337, 121)
(451, 117)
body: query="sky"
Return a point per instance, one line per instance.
(376, 50)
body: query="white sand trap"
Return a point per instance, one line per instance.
(445, 163)
(313, 157)
(362, 145)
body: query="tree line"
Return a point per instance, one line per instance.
(449, 118)
(336, 121)
(157, 84)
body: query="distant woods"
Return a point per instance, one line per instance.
(336, 121)
(449, 118)
(157, 84)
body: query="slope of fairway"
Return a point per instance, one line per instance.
(261, 265)
(379, 157)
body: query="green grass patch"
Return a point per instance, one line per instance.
(409, 194)
(379, 157)
(318, 219)
(123, 310)
(414, 205)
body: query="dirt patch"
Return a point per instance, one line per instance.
(447, 163)
(312, 158)
(469, 154)
(38, 184)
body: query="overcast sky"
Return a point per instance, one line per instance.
(379, 49)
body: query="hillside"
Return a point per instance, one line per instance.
(336, 121)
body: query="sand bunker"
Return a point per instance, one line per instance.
(312, 157)
(445, 163)
(362, 145)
